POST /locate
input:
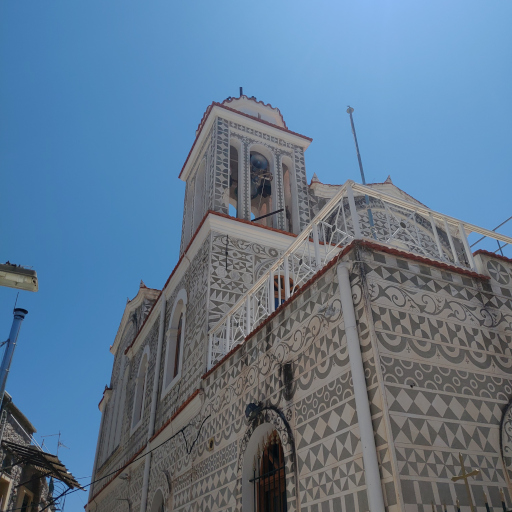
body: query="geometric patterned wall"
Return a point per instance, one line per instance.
(436, 349)
(445, 349)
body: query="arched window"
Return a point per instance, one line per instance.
(269, 476)
(261, 187)
(140, 389)
(175, 342)
(177, 348)
(280, 291)
(120, 413)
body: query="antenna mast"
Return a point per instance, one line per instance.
(350, 110)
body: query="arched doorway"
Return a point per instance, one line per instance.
(158, 502)
(269, 477)
(266, 464)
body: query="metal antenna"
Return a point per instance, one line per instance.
(350, 110)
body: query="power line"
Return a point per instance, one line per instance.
(181, 431)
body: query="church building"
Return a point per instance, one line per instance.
(317, 348)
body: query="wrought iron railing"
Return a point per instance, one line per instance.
(383, 218)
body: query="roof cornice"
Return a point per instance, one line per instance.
(212, 221)
(143, 293)
(219, 110)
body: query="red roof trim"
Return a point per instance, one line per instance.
(117, 474)
(348, 248)
(209, 212)
(422, 259)
(249, 223)
(215, 104)
(175, 415)
(493, 255)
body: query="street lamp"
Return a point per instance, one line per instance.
(16, 276)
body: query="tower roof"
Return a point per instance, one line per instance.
(255, 108)
(241, 106)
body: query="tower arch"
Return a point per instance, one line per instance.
(290, 195)
(262, 191)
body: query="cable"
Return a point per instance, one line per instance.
(181, 431)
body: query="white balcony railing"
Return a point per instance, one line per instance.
(379, 217)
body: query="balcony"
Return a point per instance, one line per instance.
(379, 217)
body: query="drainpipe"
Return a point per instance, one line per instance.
(19, 315)
(154, 399)
(371, 465)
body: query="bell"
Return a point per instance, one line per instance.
(259, 161)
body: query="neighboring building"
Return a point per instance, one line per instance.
(18, 429)
(337, 354)
(24, 466)
(20, 485)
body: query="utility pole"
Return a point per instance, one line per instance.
(19, 315)
(350, 110)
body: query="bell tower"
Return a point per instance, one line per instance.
(247, 164)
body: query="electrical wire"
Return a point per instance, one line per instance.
(181, 431)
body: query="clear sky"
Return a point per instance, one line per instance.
(99, 102)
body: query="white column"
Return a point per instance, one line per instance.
(371, 465)
(286, 279)
(353, 212)
(316, 244)
(436, 235)
(469, 254)
(450, 239)
(271, 299)
(247, 315)
(245, 190)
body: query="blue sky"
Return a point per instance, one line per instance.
(99, 102)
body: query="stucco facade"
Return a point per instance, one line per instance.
(433, 336)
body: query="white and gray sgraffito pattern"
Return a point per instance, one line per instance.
(506, 438)
(134, 323)
(446, 360)
(206, 151)
(408, 228)
(439, 376)
(321, 413)
(279, 147)
(244, 263)
(316, 203)
(302, 187)
(221, 183)
(194, 351)
(132, 442)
